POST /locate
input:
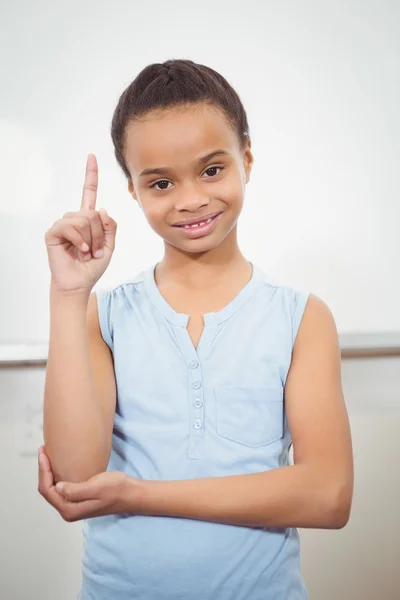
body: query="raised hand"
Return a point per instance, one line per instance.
(81, 244)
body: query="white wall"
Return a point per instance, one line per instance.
(361, 561)
(320, 83)
(40, 553)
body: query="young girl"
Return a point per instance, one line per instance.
(172, 400)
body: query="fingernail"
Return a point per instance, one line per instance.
(59, 487)
(41, 460)
(99, 253)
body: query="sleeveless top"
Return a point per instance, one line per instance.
(187, 413)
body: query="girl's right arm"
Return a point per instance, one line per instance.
(80, 391)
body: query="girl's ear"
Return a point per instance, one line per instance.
(248, 160)
(132, 190)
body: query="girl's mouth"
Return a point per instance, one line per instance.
(199, 229)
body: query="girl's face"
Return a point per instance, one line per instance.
(186, 165)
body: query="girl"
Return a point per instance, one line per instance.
(172, 400)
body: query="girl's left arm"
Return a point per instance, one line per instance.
(315, 492)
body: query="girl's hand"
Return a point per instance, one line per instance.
(103, 494)
(80, 245)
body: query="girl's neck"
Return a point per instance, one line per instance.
(202, 270)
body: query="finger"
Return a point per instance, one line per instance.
(109, 228)
(46, 486)
(79, 236)
(78, 492)
(45, 475)
(76, 231)
(69, 511)
(96, 237)
(76, 511)
(96, 233)
(89, 194)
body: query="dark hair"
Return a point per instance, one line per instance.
(175, 83)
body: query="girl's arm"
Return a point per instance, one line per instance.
(80, 394)
(317, 490)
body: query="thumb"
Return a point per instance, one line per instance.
(76, 492)
(109, 227)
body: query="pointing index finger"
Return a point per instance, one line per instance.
(89, 194)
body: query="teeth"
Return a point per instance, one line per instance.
(198, 224)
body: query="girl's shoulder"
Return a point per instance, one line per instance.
(282, 292)
(119, 286)
(117, 299)
(281, 301)
(121, 290)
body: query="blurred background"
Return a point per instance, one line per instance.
(320, 81)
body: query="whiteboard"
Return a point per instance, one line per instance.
(320, 83)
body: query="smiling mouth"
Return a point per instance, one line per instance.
(194, 223)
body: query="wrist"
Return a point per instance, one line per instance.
(78, 297)
(140, 497)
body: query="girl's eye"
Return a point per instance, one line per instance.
(213, 169)
(162, 182)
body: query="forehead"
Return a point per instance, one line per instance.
(177, 135)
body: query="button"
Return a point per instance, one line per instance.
(198, 403)
(196, 385)
(197, 424)
(194, 364)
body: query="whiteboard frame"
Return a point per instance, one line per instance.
(357, 345)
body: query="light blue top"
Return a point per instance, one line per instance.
(183, 413)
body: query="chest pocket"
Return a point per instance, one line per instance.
(250, 415)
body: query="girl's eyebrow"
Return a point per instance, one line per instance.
(201, 160)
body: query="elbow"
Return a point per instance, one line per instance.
(78, 473)
(339, 508)
(339, 517)
(76, 469)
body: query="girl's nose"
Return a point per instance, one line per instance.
(191, 202)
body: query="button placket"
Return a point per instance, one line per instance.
(196, 400)
(195, 391)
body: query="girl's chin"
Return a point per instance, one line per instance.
(193, 248)
(197, 246)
